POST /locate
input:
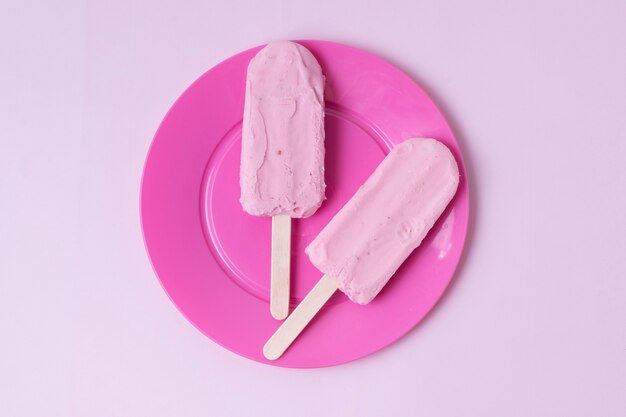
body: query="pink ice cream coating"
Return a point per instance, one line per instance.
(388, 217)
(282, 154)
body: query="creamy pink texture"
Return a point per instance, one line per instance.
(388, 217)
(282, 152)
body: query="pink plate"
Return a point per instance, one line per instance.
(213, 259)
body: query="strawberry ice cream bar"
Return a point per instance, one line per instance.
(282, 155)
(378, 228)
(387, 218)
(282, 150)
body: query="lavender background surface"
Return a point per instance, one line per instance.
(534, 323)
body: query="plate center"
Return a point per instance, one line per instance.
(241, 242)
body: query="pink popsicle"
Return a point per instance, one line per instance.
(376, 230)
(282, 150)
(387, 218)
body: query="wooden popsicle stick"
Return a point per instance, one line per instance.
(301, 316)
(281, 261)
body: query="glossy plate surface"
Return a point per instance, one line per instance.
(214, 260)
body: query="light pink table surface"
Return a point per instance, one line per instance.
(534, 323)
